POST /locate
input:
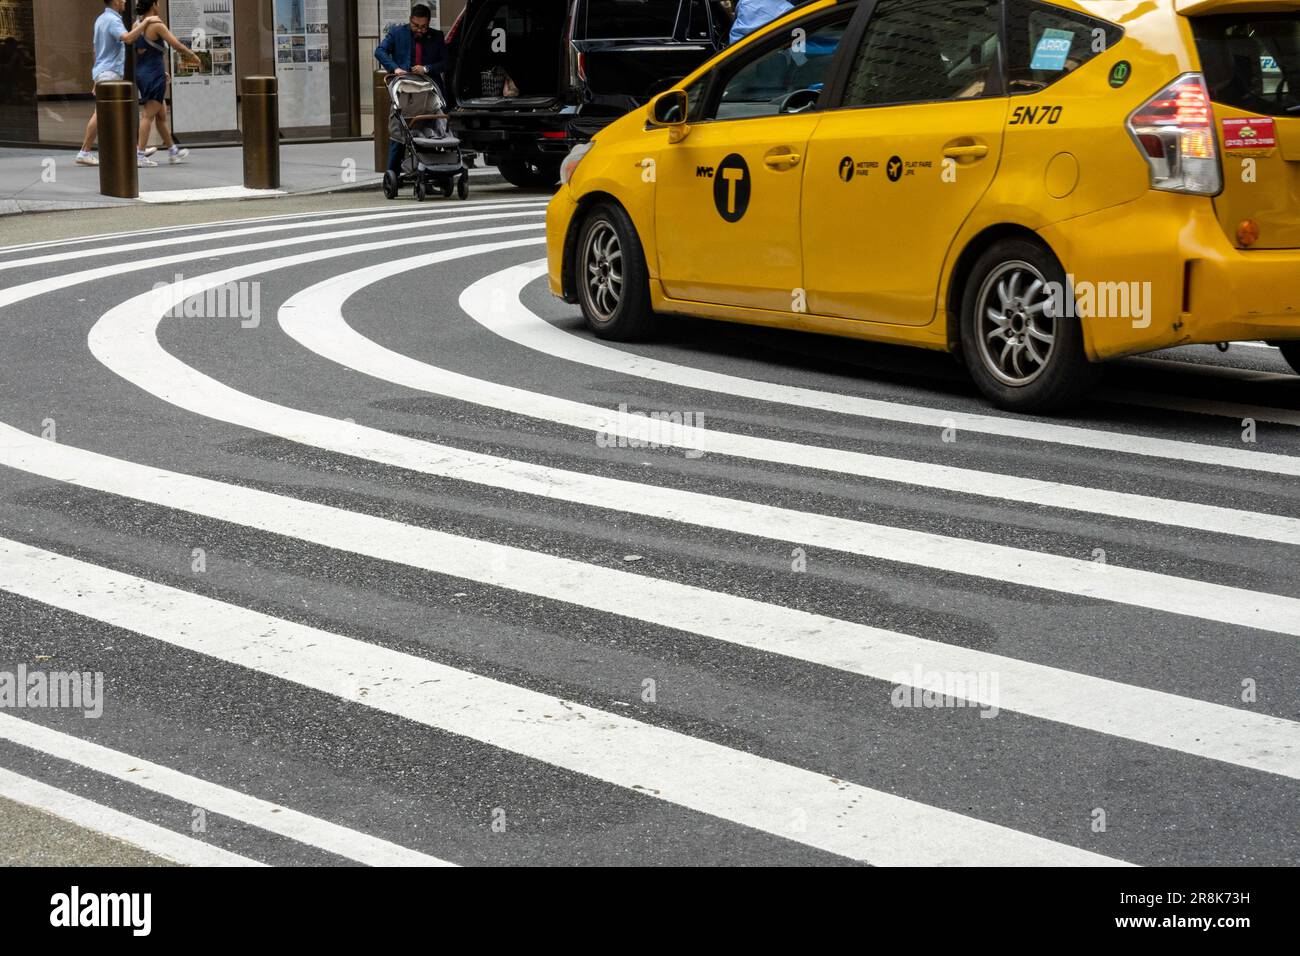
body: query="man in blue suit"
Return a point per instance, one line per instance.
(413, 48)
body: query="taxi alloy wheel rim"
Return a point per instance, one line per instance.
(603, 261)
(1016, 322)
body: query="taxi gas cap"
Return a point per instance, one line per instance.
(1062, 175)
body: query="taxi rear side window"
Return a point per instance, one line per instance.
(1046, 43)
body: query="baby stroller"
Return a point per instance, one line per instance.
(418, 121)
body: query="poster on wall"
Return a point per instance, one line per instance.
(204, 96)
(302, 61)
(395, 12)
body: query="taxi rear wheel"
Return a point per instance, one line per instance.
(1023, 355)
(613, 283)
(1291, 352)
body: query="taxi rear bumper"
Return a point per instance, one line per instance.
(1159, 272)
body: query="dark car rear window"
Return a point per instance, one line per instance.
(1252, 61)
(623, 19)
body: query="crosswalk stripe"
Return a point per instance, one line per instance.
(1203, 406)
(27, 290)
(798, 804)
(511, 319)
(425, 216)
(319, 217)
(214, 798)
(125, 341)
(1160, 719)
(157, 840)
(325, 300)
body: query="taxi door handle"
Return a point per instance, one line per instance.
(781, 161)
(976, 151)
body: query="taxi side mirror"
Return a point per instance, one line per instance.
(668, 111)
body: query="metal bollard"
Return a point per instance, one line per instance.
(119, 126)
(381, 121)
(261, 107)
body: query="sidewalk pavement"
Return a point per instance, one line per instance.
(43, 180)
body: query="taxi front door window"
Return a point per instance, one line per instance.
(765, 86)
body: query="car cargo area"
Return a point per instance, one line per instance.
(509, 55)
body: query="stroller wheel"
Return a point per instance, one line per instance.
(421, 194)
(447, 187)
(390, 184)
(462, 186)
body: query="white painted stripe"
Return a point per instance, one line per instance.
(423, 215)
(837, 816)
(1203, 406)
(1153, 717)
(28, 290)
(1173, 366)
(113, 823)
(214, 798)
(510, 319)
(321, 217)
(326, 298)
(125, 340)
(210, 192)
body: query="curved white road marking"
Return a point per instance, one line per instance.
(378, 218)
(1194, 727)
(1202, 406)
(838, 817)
(168, 844)
(320, 217)
(28, 290)
(494, 302)
(212, 797)
(125, 341)
(325, 300)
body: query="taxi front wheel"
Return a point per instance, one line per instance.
(613, 283)
(1024, 350)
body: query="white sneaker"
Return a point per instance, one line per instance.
(142, 160)
(87, 159)
(151, 150)
(176, 156)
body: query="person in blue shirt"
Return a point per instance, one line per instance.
(753, 14)
(111, 38)
(412, 48)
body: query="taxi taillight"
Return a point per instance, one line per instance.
(1174, 131)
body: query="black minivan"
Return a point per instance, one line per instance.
(532, 78)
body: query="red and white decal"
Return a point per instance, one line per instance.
(1255, 132)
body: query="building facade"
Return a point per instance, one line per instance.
(320, 50)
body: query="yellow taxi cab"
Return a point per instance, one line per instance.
(1037, 186)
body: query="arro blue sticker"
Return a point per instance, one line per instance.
(1052, 50)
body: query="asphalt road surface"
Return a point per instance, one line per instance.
(380, 560)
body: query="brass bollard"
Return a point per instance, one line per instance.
(261, 107)
(382, 105)
(119, 126)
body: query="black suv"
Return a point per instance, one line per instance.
(531, 78)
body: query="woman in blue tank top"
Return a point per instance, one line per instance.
(151, 80)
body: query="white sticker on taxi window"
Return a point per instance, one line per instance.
(1052, 51)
